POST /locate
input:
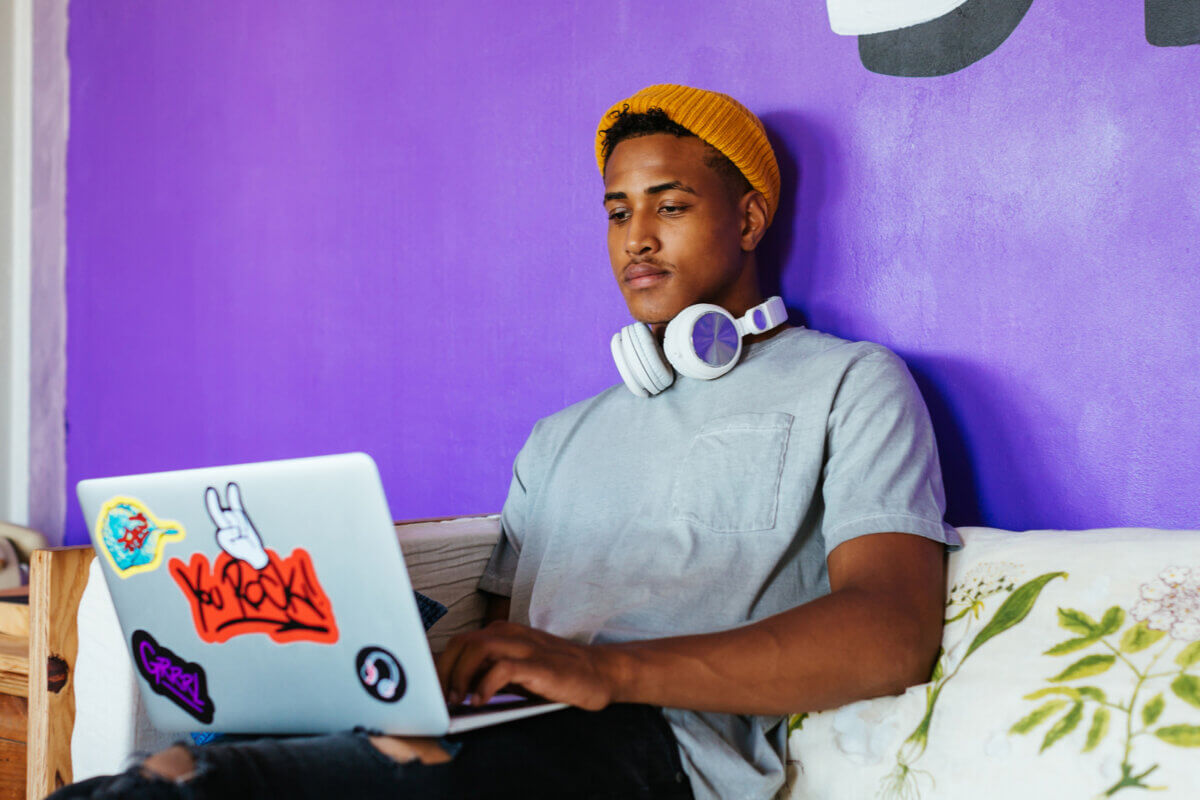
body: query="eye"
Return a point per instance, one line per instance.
(618, 215)
(671, 208)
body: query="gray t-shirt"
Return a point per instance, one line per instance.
(713, 505)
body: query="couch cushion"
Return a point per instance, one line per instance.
(110, 720)
(1070, 667)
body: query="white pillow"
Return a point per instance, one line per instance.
(110, 721)
(1050, 636)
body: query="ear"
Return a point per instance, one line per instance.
(752, 211)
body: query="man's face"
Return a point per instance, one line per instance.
(674, 230)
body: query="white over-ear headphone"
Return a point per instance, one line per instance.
(704, 341)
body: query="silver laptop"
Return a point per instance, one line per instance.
(272, 598)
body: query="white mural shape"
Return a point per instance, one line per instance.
(863, 17)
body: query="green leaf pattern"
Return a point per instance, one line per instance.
(1180, 735)
(1153, 710)
(1068, 723)
(1076, 622)
(1098, 730)
(1014, 609)
(1139, 637)
(1187, 688)
(1037, 716)
(1085, 667)
(1189, 656)
(967, 600)
(1163, 625)
(1070, 646)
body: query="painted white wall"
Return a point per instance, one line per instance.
(16, 89)
(48, 296)
(858, 17)
(33, 138)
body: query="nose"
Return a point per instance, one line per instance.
(641, 238)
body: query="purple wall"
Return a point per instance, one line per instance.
(309, 227)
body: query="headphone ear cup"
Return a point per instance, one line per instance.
(625, 362)
(633, 360)
(703, 342)
(651, 357)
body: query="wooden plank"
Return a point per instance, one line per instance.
(57, 579)
(400, 523)
(14, 665)
(14, 614)
(446, 567)
(14, 719)
(12, 770)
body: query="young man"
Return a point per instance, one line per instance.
(688, 568)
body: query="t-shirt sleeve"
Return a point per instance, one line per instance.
(498, 576)
(882, 472)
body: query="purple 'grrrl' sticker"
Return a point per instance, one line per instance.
(181, 682)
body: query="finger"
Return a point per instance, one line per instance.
(477, 658)
(444, 661)
(233, 495)
(213, 501)
(502, 673)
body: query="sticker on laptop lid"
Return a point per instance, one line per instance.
(131, 537)
(380, 674)
(250, 588)
(182, 682)
(229, 598)
(236, 534)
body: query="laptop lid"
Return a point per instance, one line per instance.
(265, 598)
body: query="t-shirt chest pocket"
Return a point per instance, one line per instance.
(729, 479)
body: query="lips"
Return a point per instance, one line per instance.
(641, 275)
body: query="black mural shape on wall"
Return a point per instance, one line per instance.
(951, 42)
(1172, 23)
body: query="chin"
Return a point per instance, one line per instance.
(652, 310)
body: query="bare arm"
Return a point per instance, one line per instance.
(875, 633)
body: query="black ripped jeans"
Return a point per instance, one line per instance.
(625, 752)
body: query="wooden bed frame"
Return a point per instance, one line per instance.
(57, 578)
(38, 645)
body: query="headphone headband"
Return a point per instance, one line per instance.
(703, 341)
(764, 316)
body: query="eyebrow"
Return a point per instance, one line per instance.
(656, 189)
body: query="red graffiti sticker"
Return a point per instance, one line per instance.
(282, 599)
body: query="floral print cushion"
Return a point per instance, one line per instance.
(1070, 667)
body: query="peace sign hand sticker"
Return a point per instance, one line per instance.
(235, 532)
(249, 589)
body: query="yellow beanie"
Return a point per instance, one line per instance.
(717, 119)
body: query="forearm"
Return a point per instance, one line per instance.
(875, 633)
(846, 646)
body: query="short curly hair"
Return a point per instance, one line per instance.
(631, 125)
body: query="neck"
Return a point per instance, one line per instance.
(742, 296)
